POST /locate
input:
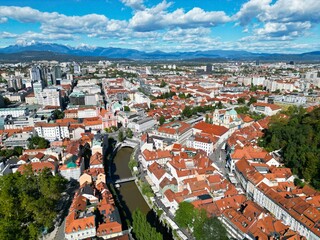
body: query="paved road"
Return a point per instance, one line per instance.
(218, 157)
(60, 232)
(66, 202)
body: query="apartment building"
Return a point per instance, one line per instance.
(52, 131)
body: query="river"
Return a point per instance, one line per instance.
(129, 195)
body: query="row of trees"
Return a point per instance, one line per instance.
(142, 229)
(57, 114)
(190, 111)
(7, 153)
(298, 138)
(245, 110)
(166, 95)
(37, 142)
(111, 129)
(204, 227)
(28, 203)
(242, 100)
(121, 136)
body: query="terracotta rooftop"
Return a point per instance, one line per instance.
(210, 128)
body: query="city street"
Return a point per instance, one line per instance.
(218, 157)
(66, 199)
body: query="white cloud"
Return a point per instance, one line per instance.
(250, 10)
(198, 36)
(6, 35)
(161, 28)
(55, 22)
(29, 36)
(280, 20)
(3, 19)
(134, 4)
(282, 31)
(156, 18)
(293, 11)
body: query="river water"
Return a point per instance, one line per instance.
(129, 195)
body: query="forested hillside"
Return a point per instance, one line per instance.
(298, 137)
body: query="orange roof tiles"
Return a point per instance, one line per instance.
(210, 128)
(156, 170)
(37, 166)
(108, 228)
(155, 155)
(96, 159)
(176, 127)
(81, 224)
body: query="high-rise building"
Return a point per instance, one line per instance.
(209, 68)
(56, 74)
(12, 83)
(76, 68)
(149, 71)
(49, 79)
(35, 73)
(15, 83)
(49, 96)
(37, 87)
(19, 83)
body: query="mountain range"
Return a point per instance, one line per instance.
(50, 51)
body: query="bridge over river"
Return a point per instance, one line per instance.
(122, 180)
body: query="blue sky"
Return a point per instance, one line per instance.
(288, 26)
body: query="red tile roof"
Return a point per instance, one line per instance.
(156, 170)
(96, 159)
(37, 166)
(211, 129)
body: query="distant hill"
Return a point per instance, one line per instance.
(28, 56)
(41, 51)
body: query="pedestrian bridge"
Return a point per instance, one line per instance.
(123, 180)
(127, 143)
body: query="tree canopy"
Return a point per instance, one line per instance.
(298, 137)
(211, 228)
(251, 101)
(241, 100)
(163, 83)
(57, 114)
(120, 136)
(185, 214)
(189, 111)
(28, 203)
(16, 151)
(203, 226)
(161, 120)
(167, 95)
(129, 133)
(142, 229)
(126, 109)
(37, 142)
(246, 110)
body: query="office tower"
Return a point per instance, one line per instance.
(37, 88)
(49, 96)
(209, 68)
(35, 73)
(12, 83)
(19, 83)
(76, 68)
(56, 74)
